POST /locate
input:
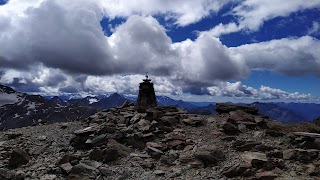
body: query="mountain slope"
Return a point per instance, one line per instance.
(278, 113)
(27, 110)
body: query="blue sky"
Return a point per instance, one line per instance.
(247, 50)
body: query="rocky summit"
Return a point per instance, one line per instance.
(163, 143)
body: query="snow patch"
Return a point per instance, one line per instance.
(93, 100)
(8, 98)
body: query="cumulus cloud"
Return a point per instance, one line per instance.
(238, 90)
(291, 56)
(59, 46)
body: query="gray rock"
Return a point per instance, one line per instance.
(256, 159)
(159, 172)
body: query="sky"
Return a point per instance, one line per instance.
(203, 50)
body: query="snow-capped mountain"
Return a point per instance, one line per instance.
(20, 109)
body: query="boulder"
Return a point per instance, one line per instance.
(230, 128)
(18, 157)
(256, 159)
(83, 171)
(209, 155)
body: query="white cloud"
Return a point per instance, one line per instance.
(59, 46)
(291, 56)
(315, 29)
(251, 14)
(238, 90)
(221, 29)
(183, 12)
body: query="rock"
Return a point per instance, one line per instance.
(266, 175)
(125, 104)
(96, 155)
(226, 108)
(135, 141)
(5, 174)
(306, 134)
(38, 150)
(82, 171)
(176, 144)
(66, 167)
(122, 150)
(230, 128)
(237, 170)
(98, 140)
(256, 159)
(301, 155)
(68, 158)
(64, 125)
(139, 155)
(105, 171)
(211, 120)
(18, 157)
(169, 120)
(154, 152)
(175, 136)
(245, 145)
(87, 130)
(209, 155)
(49, 177)
(42, 138)
(136, 118)
(240, 115)
(190, 160)
(159, 172)
(110, 155)
(13, 135)
(193, 121)
(274, 133)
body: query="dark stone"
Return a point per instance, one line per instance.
(79, 142)
(230, 128)
(18, 157)
(274, 133)
(169, 120)
(135, 142)
(13, 135)
(96, 155)
(110, 155)
(245, 145)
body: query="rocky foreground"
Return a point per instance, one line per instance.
(163, 143)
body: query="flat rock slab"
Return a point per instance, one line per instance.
(306, 134)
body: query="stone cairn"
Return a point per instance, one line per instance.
(147, 97)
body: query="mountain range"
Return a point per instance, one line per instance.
(20, 109)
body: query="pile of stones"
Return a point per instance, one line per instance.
(163, 143)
